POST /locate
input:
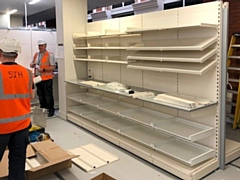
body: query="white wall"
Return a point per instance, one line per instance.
(28, 40)
(4, 20)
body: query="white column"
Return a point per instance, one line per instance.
(4, 21)
(71, 17)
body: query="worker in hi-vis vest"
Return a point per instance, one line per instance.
(44, 63)
(16, 91)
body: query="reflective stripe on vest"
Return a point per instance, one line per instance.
(15, 89)
(44, 63)
(9, 120)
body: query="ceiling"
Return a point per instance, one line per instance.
(7, 5)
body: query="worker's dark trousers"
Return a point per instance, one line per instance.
(45, 94)
(17, 143)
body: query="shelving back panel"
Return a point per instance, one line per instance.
(130, 22)
(201, 13)
(131, 77)
(111, 24)
(160, 19)
(201, 86)
(111, 72)
(95, 27)
(95, 70)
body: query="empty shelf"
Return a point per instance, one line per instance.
(79, 46)
(98, 101)
(178, 56)
(186, 152)
(144, 116)
(185, 68)
(116, 59)
(201, 25)
(98, 116)
(117, 124)
(184, 129)
(117, 107)
(97, 58)
(90, 113)
(107, 34)
(106, 60)
(84, 36)
(81, 110)
(145, 135)
(82, 97)
(93, 60)
(189, 153)
(174, 44)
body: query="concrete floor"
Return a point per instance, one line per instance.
(129, 166)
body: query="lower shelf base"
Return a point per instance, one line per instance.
(172, 166)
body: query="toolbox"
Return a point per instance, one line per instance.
(39, 122)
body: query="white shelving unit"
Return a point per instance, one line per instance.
(109, 47)
(147, 135)
(187, 55)
(178, 56)
(185, 68)
(175, 51)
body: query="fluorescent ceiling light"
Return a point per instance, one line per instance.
(34, 1)
(12, 11)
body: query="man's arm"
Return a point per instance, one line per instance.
(32, 95)
(32, 92)
(33, 63)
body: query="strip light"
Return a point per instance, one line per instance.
(34, 1)
(12, 11)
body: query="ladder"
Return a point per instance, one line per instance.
(233, 64)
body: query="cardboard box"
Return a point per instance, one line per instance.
(103, 176)
(49, 155)
(4, 162)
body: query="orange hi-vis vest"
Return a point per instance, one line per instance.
(44, 63)
(15, 98)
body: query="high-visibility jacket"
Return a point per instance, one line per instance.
(15, 98)
(44, 63)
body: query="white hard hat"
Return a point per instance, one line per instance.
(10, 45)
(41, 42)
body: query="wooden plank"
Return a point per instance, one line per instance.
(91, 157)
(100, 153)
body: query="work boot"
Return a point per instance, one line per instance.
(50, 113)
